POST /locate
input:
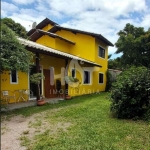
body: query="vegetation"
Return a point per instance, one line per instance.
(109, 81)
(18, 29)
(130, 94)
(13, 55)
(36, 79)
(82, 123)
(134, 44)
(115, 64)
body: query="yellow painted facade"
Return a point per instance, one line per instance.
(47, 27)
(85, 46)
(23, 83)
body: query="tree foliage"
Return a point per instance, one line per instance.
(115, 63)
(130, 94)
(16, 27)
(134, 43)
(13, 55)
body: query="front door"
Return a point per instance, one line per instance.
(50, 90)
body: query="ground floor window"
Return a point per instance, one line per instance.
(86, 77)
(73, 72)
(13, 77)
(101, 78)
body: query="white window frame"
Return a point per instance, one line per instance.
(99, 76)
(16, 78)
(98, 52)
(75, 72)
(89, 78)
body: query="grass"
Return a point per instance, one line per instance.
(83, 123)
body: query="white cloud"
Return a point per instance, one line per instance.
(26, 20)
(112, 7)
(8, 8)
(146, 21)
(104, 17)
(23, 2)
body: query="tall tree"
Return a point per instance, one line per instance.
(115, 63)
(134, 43)
(16, 27)
(13, 55)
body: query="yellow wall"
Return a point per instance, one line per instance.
(101, 61)
(22, 83)
(46, 28)
(46, 41)
(93, 87)
(48, 61)
(84, 44)
(62, 45)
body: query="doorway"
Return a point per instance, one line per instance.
(32, 86)
(50, 90)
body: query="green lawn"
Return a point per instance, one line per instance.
(83, 123)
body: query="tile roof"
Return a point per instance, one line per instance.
(54, 51)
(39, 33)
(98, 36)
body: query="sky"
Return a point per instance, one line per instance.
(106, 17)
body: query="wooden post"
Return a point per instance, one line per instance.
(66, 74)
(37, 71)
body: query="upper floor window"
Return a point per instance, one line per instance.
(13, 77)
(73, 72)
(87, 77)
(101, 78)
(101, 52)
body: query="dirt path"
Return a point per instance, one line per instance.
(12, 130)
(18, 127)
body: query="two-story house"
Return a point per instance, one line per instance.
(61, 52)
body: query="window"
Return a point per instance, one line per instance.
(73, 73)
(101, 78)
(13, 77)
(101, 52)
(86, 77)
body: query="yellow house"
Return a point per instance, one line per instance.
(62, 53)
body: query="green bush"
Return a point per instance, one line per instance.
(130, 94)
(109, 81)
(147, 114)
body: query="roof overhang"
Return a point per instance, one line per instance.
(42, 48)
(42, 24)
(39, 33)
(98, 36)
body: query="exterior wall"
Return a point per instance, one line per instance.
(46, 28)
(114, 73)
(54, 43)
(93, 87)
(48, 61)
(84, 44)
(102, 61)
(62, 45)
(22, 83)
(46, 41)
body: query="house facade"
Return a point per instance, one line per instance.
(62, 52)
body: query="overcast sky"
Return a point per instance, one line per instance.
(106, 17)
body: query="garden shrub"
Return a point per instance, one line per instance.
(147, 114)
(130, 94)
(109, 81)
